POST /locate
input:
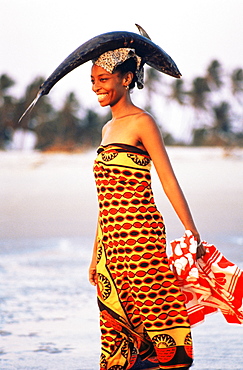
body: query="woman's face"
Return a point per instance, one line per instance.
(108, 87)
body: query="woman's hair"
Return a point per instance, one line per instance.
(130, 65)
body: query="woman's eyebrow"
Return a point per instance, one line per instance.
(102, 74)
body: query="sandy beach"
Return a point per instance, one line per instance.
(51, 195)
(49, 318)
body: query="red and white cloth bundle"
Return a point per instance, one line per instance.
(210, 283)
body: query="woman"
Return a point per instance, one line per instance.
(144, 323)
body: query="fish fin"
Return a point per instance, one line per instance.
(142, 31)
(31, 106)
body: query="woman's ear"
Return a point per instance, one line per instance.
(128, 78)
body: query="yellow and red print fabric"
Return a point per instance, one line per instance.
(144, 323)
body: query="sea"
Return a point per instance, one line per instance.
(49, 315)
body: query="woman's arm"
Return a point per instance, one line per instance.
(92, 267)
(93, 263)
(153, 142)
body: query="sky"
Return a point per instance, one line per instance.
(37, 35)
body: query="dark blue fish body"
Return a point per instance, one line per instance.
(150, 53)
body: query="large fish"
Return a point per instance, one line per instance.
(150, 53)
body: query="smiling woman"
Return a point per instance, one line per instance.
(106, 86)
(144, 323)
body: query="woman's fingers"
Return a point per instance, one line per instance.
(200, 250)
(92, 276)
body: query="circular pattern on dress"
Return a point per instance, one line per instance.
(165, 347)
(188, 339)
(163, 340)
(99, 252)
(188, 345)
(104, 286)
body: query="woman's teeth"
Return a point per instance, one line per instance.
(101, 96)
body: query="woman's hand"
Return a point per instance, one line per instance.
(92, 275)
(200, 250)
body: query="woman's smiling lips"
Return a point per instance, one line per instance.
(101, 96)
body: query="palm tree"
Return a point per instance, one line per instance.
(91, 128)
(153, 84)
(7, 109)
(59, 131)
(177, 92)
(41, 117)
(198, 99)
(237, 81)
(221, 130)
(68, 119)
(5, 83)
(214, 75)
(198, 93)
(41, 113)
(222, 123)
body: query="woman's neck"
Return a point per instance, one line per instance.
(123, 109)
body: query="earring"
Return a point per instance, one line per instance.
(127, 87)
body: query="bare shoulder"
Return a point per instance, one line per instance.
(145, 118)
(106, 125)
(149, 135)
(146, 123)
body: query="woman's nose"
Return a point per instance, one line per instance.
(95, 86)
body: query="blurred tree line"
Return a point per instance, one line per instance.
(215, 99)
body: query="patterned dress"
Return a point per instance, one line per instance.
(144, 323)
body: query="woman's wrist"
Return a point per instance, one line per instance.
(195, 233)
